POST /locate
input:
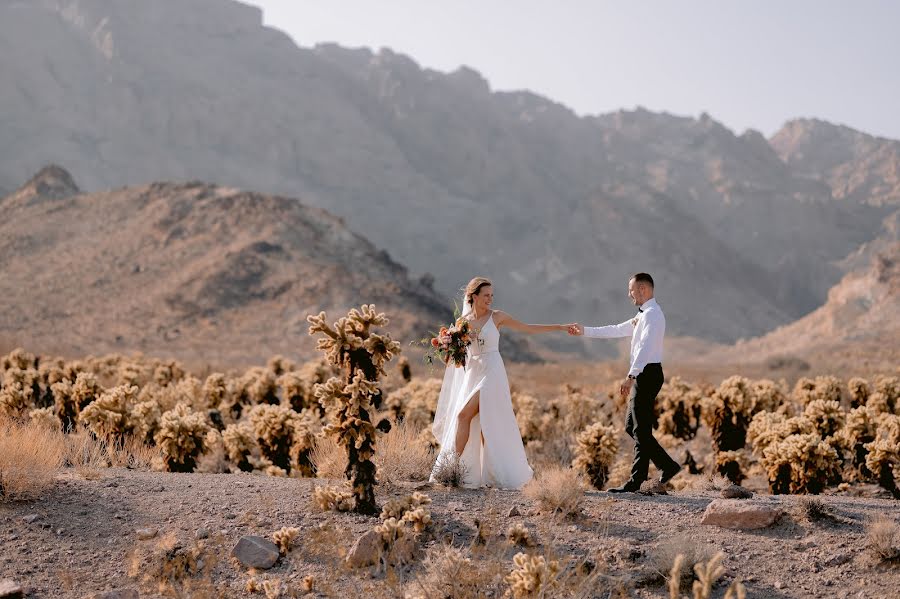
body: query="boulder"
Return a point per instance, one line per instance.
(256, 552)
(10, 589)
(366, 551)
(734, 513)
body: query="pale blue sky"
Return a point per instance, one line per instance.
(752, 64)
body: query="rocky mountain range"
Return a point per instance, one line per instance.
(743, 234)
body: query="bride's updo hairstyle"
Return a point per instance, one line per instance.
(474, 288)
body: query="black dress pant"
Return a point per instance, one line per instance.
(639, 425)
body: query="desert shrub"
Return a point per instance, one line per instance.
(181, 436)
(144, 418)
(362, 353)
(731, 465)
(16, 399)
(402, 455)
(678, 408)
(280, 365)
(449, 572)
(18, 358)
(597, 446)
(30, 458)
(65, 406)
(46, 418)
(167, 372)
(556, 490)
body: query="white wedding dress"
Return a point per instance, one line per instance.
(499, 461)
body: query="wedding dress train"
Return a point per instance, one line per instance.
(494, 454)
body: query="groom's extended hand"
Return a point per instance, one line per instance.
(576, 329)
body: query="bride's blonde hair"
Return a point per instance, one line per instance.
(474, 287)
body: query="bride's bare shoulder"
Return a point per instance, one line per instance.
(499, 316)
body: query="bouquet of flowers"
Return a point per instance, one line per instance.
(450, 343)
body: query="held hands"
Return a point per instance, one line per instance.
(575, 329)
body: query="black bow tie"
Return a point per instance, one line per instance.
(640, 310)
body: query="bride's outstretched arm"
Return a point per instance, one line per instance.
(502, 319)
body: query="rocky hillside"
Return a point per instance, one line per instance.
(858, 325)
(193, 271)
(451, 178)
(859, 168)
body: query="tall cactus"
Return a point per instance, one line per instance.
(350, 402)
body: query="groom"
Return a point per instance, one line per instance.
(645, 379)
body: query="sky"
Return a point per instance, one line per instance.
(751, 64)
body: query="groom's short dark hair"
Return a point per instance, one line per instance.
(643, 277)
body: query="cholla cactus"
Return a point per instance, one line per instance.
(285, 537)
(858, 430)
(728, 412)
(859, 391)
(678, 407)
(826, 416)
(528, 416)
(181, 435)
(731, 465)
(518, 534)
(65, 407)
(353, 346)
(144, 419)
(827, 388)
(886, 397)
(801, 463)
(18, 358)
(333, 499)
(884, 452)
(280, 365)
(284, 436)
(415, 402)
(419, 518)
(597, 448)
(239, 441)
(397, 508)
(294, 391)
(108, 416)
(404, 368)
(86, 390)
(46, 418)
(532, 576)
(15, 400)
(214, 391)
(167, 372)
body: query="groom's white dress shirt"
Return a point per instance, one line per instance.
(647, 330)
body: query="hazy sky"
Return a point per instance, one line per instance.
(755, 63)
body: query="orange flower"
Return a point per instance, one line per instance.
(435, 342)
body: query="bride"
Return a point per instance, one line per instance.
(474, 418)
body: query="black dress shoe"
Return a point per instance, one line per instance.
(668, 475)
(628, 487)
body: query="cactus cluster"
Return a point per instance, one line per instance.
(596, 449)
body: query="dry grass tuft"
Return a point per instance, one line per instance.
(683, 551)
(328, 458)
(883, 539)
(814, 509)
(31, 455)
(401, 455)
(86, 453)
(450, 470)
(131, 452)
(556, 490)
